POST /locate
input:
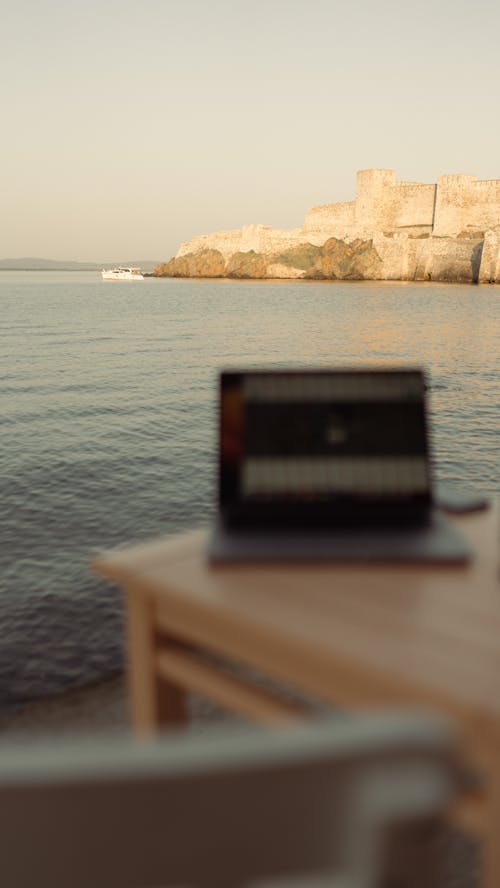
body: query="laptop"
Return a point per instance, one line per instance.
(327, 465)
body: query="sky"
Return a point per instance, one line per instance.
(128, 128)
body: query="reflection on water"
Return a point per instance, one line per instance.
(109, 407)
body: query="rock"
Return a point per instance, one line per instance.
(306, 257)
(206, 263)
(247, 265)
(280, 271)
(356, 261)
(335, 260)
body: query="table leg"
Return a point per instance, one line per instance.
(171, 698)
(154, 702)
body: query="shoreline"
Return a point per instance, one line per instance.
(102, 706)
(326, 281)
(99, 706)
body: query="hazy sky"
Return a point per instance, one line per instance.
(130, 127)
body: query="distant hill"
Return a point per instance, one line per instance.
(31, 263)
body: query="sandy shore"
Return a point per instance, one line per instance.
(98, 707)
(103, 706)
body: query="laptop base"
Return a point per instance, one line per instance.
(436, 542)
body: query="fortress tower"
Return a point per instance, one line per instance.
(373, 197)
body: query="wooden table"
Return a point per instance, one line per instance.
(353, 635)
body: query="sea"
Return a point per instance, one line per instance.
(108, 424)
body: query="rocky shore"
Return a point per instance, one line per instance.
(424, 258)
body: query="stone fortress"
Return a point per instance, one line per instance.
(393, 230)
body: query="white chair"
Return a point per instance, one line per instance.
(345, 803)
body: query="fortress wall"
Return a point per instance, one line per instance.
(397, 255)
(252, 238)
(466, 203)
(458, 203)
(386, 205)
(227, 242)
(277, 240)
(412, 205)
(455, 204)
(447, 259)
(264, 239)
(260, 238)
(329, 216)
(490, 187)
(485, 209)
(438, 259)
(489, 272)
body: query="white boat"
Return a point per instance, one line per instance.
(122, 273)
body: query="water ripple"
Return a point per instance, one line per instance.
(109, 415)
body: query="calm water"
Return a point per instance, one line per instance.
(108, 435)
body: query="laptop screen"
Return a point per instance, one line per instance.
(322, 445)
